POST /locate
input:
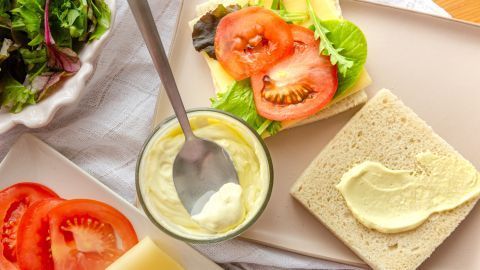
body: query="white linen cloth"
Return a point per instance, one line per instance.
(104, 131)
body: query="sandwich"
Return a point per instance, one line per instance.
(281, 63)
(385, 228)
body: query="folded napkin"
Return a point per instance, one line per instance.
(104, 131)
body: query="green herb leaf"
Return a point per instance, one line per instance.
(203, 35)
(33, 57)
(28, 17)
(326, 46)
(102, 15)
(14, 96)
(348, 39)
(238, 100)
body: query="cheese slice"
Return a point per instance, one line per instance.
(326, 10)
(145, 255)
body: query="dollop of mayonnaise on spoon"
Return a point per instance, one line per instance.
(223, 211)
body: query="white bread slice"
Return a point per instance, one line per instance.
(328, 9)
(387, 131)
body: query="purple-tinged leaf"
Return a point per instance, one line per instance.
(59, 58)
(43, 82)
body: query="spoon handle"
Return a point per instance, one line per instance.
(146, 24)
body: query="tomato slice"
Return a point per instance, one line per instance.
(87, 234)
(14, 201)
(33, 239)
(251, 39)
(297, 86)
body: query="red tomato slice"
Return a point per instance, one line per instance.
(33, 239)
(251, 39)
(87, 234)
(297, 86)
(14, 201)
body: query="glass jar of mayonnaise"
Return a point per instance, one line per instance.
(159, 199)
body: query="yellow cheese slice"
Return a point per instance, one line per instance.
(144, 256)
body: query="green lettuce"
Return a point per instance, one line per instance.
(14, 95)
(28, 17)
(349, 40)
(345, 44)
(99, 13)
(68, 19)
(238, 100)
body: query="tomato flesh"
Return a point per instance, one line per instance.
(33, 246)
(297, 86)
(14, 202)
(250, 40)
(84, 234)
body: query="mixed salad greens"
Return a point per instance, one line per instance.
(40, 41)
(340, 41)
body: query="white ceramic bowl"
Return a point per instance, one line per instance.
(40, 114)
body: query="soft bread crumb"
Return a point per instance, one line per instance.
(387, 131)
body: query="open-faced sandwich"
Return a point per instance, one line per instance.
(281, 63)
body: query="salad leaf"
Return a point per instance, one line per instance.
(33, 57)
(43, 82)
(100, 16)
(71, 16)
(5, 6)
(5, 49)
(350, 41)
(238, 100)
(27, 17)
(14, 95)
(203, 35)
(59, 58)
(326, 46)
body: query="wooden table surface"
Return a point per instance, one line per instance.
(468, 10)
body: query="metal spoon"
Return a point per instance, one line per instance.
(201, 167)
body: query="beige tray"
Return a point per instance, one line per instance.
(432, 63)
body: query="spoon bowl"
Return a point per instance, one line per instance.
(200, 169)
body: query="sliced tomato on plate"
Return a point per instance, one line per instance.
(14, 201)
(297, 86)
(250, 40)
(33, 239)
(87, 234)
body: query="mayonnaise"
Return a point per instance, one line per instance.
(223, 211)
(250, 161)
(392, 201)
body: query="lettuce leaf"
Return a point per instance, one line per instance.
(68, 19)
(59, 58)
(99, 13)
(33, 57)
(42, 83)
(14, 95)
(349, 40)
(203, 34)
(238, 100)
(28, 17)
(346, 45)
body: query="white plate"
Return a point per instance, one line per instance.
(431, 63)
(32, 160)
(40, 114)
